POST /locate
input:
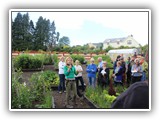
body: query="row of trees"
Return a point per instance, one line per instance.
(87, 49)
(27, 36)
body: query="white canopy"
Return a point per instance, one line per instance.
(123, 51)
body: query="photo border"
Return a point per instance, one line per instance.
(78, 10)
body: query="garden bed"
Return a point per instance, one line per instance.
(34, 69)
(90, 103)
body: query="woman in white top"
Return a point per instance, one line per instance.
(79, 78)
(61, 65)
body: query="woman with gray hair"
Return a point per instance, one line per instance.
(136, 71)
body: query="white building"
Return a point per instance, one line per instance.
(124, 41)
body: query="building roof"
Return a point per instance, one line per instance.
(113, 40)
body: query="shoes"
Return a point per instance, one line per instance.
(64, 91)
(60, 92)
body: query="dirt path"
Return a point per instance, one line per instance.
(81, 103)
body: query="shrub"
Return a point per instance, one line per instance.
(27, 62)
(78, 57)
(39, 86)
(52, 77)
(104, 58)
(55, 60)
(38, 90)
(41, 82)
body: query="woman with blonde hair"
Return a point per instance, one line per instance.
(61, 65)
(79, 77)
(70, 72)
(91, 70)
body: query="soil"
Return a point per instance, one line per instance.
(59, 99)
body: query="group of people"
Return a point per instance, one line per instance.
(70, 75)
(133, 67)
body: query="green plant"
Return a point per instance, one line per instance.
(100, 97)
(119, 89)
(47, 102)
(104, 58)
(25, 61)
(20, 93)
(51, 76)
(39, 86)
(78, 57)
(55, 60)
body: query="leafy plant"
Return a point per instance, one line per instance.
(51, 76)
(47, 102)
(26, 61)
(104, 58)
(20, 93)
(100, 97)
(78, 57)
(39, 86)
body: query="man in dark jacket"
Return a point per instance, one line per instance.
(123, 65)
(135, 97)
(128, 71)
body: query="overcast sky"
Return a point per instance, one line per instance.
(86, 27)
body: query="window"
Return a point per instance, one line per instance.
(129, 42)
(107, 43)
(118, 42)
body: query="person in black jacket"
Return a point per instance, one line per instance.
(128, 71)
(123, 64)
(135, 97)
(103, 75)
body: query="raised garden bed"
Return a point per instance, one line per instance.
(34, 69)
(90, 103)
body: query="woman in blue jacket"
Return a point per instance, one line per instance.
(91, 70)
(118, 72)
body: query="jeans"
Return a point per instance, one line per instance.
(77, 85)
(92, 81)
(62, 82)
(143, 76)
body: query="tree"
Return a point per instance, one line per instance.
(27, 36)
(64, 41)
(54, 37)
(20, 32)
(42, 34)
(109, 48)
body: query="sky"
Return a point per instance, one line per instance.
(95, 27)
